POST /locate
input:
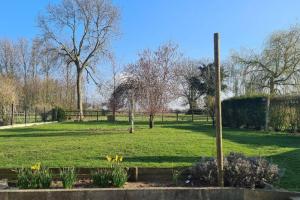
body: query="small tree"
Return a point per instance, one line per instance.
(155, 78)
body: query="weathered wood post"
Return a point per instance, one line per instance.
(218, 110)
(12, 115)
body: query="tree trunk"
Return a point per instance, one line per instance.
(79, 94)
(272, 91)
(151, 121)
(114, 112)
(131, 129)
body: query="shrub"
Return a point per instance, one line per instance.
(239, 171)
(68, 177)
(58, 114)
(35, 177)
(5, 120)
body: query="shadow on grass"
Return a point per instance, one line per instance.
(51, 133)
(162, 159)
(289, 163)
(249, 137)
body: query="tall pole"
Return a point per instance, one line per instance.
(218, 110)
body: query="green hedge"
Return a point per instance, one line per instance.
(244, 112)
(250, 112)
(285, 113)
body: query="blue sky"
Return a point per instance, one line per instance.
(189, 23)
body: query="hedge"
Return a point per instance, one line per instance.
(250, 112)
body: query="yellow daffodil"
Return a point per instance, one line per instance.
(36, 167)
(116, 159)
(108, 158)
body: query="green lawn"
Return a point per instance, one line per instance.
(167, 145)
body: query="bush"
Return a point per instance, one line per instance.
(68, 177)
(58, 114)
(35, 177)
(239, 171)
(5, 121)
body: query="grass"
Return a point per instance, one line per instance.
(167, 145)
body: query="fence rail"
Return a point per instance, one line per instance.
(19, 115)
(101, 115)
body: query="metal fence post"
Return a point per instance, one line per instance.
(45, 117)
(25, 115)
(12, 115)
(35, 115)
(192, 115)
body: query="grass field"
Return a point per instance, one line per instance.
(167, 145)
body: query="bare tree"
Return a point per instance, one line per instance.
(277, 65)
(187, 73)
(154, 75)
(8, 58)
(80, 30)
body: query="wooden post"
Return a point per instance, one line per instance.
(218, 110)
(97, 115)
(12, 115)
